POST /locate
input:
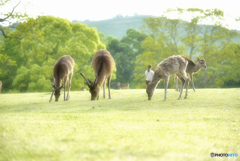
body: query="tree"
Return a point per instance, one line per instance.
(10, 16)
(165, 40)
(125, 53)
(213, 42)
(7, 64)
(46, 39)
(148, 57)
(214, 39)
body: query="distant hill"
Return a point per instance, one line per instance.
(117, 26)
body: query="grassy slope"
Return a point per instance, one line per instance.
(128, 127)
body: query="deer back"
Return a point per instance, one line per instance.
(103, 64)
(62, 68)
(171, 65)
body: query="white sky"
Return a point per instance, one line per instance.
(106, 9)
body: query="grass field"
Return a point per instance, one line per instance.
(128, 127)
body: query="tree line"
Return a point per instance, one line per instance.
(28, 53)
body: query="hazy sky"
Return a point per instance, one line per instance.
(106, 9)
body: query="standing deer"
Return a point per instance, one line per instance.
(103, 64)
(171, 65)
(0, 86)
(191, 69)
(123, 85)
(62, 73)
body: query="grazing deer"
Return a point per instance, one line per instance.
(123, 85)
(191, 69)
(0, 87)
(103, 64)
(171, 65)
(62, 73)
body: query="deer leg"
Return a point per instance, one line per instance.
(64, 98)
(191, 77)
(166, 86)
(64, 86)
(104, 84)
(108, 84)
(68, 94)
(187, 84)
(51, 96)
(185, 77)
(69, 85)
(176, 82)
(182, 84)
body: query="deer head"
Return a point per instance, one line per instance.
(202, 63)
(94, 88)
(56, 92)
(150, 90)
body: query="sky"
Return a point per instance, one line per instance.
(96, 10)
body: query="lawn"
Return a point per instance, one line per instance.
(127, 127)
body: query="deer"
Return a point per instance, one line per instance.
(0, 87)
(169, 66)
(191, 69)
(123, 85)
(62, 73)
(102, 64)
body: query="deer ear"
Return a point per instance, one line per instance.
(89, 85)
(95, 82)
(198, 59)
(89, 81)
(53, 86)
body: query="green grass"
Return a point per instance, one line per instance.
(128, 127)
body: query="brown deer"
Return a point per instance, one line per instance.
(103, 64)
(171, 65)
(123, 85)
(62, 73)
(0, 87)
(191, 69)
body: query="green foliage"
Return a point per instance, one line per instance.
(125, 53)
(164, 42)
(36, 44)
(154, 52)
(7, 65)
(214, 43)
(42, 42)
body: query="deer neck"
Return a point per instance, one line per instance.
(58, 82)
(154, 82)
(196, 68)
(101, 79)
